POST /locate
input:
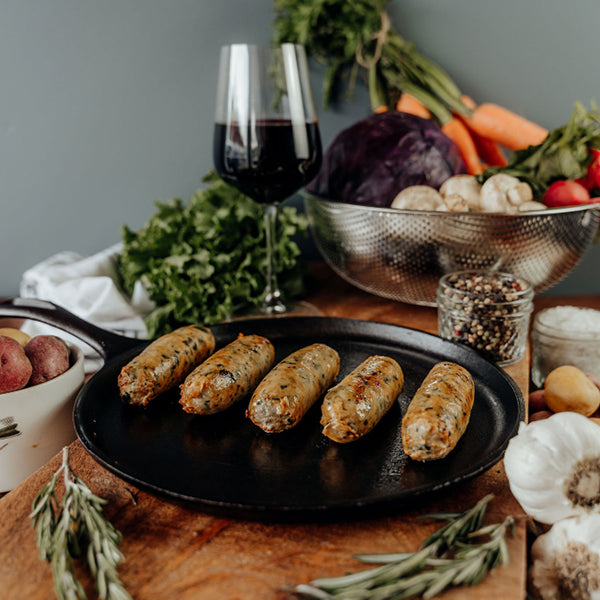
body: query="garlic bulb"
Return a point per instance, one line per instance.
(553, 467)
(566, 560)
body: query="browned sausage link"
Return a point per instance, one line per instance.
(284, 396)
(227, 376)
(439, 413)
(164, 363)
(354, 406)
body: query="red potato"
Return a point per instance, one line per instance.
(539, 415)
(49, 357)
(595, 380)
(537, 401)
(15, 367)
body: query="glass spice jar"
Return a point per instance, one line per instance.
(565, 335)
(486, 310)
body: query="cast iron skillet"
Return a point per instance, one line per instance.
(226, 465)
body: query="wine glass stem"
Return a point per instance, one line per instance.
(272, 302)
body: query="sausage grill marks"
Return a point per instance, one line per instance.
(354, 406)
(439, 413)
(284, 396)
(227, 376)
(435, 420)
(164, 363)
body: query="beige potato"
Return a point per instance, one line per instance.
(16, 334)
(567, 388)
(49, 357)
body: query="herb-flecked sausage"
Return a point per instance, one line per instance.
(164, 363)
(284, 396)
(439, 413)
(227, 376)
(355, 405)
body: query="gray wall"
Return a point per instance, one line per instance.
(107, 106)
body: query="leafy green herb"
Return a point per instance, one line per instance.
(77, 528)
(354, 37)
(564, 154)
(201, 260)
(448, 557)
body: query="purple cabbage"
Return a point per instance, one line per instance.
(377, 157)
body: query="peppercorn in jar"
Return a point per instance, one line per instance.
(488, 311)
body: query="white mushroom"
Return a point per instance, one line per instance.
(503, 193)
(418, 197)
(465, 186)
(531, 205)
(456, 203)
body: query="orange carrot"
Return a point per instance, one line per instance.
(505, 127)
(468, 102)
(459, 134)
(409, 104)
(381, 109)
(489, 151)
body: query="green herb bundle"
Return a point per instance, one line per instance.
(564, 154)
(76, 528)
(461, 552)
(354, 37)
(199, 261)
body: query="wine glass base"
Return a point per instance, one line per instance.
(292, 309)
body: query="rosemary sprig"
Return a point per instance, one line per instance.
(75, 528)
(450, 556)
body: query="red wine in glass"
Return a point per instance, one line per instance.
(266, 139)
(270, 168)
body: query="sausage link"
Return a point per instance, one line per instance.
(284, 396)
(439, 413)
(227, 376)
(164, 363)
(354, 406)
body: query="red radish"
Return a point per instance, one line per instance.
(592, 176)
(566, 193)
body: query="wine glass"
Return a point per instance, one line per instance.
(266, 139)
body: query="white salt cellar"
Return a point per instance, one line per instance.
(565, 335)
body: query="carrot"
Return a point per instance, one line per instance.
(459, 134)
(381, 109)
(468, 102)
(489, 151)
(409, 104)
(505, 127)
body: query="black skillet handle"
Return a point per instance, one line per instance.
(106, 343)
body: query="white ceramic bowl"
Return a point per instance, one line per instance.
(36, 422)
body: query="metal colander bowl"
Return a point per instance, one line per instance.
(401, 254)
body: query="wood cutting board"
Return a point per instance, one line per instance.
(174, 552)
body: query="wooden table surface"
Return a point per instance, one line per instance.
(174, 552)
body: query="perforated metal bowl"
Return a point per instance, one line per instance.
(401, 254)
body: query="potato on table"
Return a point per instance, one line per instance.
(49, 357)
(15, 367)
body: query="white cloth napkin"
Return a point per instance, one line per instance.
(87, 286)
